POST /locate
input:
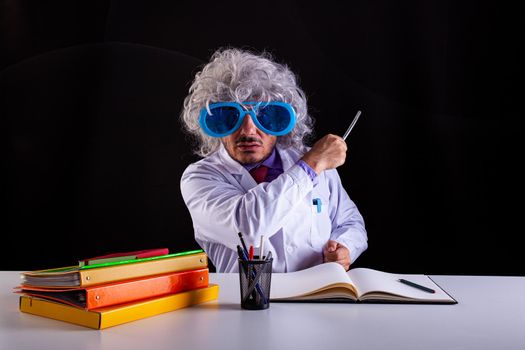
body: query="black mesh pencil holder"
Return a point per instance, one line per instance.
(255, 278)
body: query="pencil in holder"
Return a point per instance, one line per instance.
(255, 279)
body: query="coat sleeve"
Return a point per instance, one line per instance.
(220, 208)
(348, 227)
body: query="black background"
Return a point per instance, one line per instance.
(91, 92)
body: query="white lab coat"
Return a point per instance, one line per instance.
(223, 199)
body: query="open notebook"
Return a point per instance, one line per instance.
(330, 282)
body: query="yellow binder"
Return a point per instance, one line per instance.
(115, 315)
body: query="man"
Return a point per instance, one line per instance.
(257, 177)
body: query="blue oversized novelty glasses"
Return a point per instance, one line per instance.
(224, 118)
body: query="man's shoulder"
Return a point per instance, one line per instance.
(210, 163)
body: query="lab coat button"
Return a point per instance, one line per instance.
(289, 249)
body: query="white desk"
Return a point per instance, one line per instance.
(490, 315)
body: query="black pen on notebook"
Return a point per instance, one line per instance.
(351, 125)
(415, 285)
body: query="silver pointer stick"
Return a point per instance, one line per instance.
(351, 125)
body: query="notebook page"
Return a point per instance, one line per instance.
(370, 280)
(293, 284)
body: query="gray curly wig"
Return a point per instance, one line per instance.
(238, 75)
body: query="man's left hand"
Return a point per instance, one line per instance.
(335, 252)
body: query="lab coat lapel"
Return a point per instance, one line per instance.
(237, 170)
(288, 157)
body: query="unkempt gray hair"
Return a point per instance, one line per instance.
(239, 75)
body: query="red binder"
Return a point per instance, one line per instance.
(138, 254)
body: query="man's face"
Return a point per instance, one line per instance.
(248, 144)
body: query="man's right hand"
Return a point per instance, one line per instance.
(327, 153)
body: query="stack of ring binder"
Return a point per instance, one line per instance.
(108, 294)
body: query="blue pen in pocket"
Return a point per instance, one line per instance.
(317, 202)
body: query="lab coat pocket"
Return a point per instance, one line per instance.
(321, 223)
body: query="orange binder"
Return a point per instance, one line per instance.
(123, 291)
(115, 315)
